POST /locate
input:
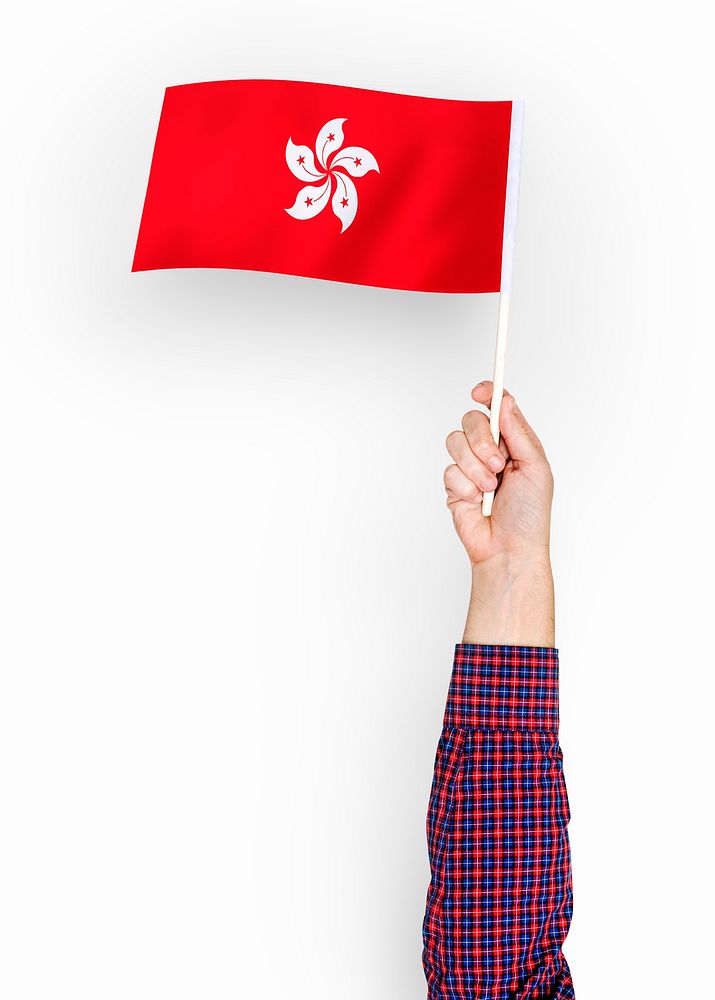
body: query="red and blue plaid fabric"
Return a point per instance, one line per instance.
(499, 901)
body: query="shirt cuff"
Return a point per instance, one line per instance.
(504, 687)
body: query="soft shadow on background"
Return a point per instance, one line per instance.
(230, 584)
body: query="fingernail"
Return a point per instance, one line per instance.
(495, 463)
(512, 405)
(479, 385)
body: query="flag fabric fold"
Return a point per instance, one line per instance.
(333, 182)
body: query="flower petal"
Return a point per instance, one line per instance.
(310, 201)
(345, 199)
(301, 162)
(324, 145)
(356, 160)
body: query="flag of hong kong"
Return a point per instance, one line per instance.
(333, 182)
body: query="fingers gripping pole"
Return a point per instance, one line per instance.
(498, 384)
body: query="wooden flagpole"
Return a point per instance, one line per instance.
(498, 384)
(510, 213)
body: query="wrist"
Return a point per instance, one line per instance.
(512, 600)
(515, 563)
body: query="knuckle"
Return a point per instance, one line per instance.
(472, 420)
(484, 447)
(453, 439)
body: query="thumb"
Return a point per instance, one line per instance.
(520, 439)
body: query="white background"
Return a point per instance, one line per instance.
(230, 588)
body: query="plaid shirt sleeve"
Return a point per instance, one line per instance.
(499, 900)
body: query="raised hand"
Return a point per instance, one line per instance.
(509, 551)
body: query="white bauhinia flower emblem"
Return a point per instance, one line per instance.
(330, 171)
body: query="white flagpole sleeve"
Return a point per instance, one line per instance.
(507, 265)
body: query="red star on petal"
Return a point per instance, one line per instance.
(309, 201)
(344, 202)
(301, 159)
(331, 137)
(358, 161)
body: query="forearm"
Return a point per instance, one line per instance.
(512, 602)
(499, 902)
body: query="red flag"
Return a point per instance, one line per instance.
(333, 182)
